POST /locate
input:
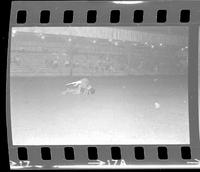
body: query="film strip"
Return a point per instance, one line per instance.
(164, 135)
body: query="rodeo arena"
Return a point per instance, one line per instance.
(99, 85)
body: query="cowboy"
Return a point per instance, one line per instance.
(83, 87)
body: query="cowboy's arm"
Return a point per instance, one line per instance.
(74, 83)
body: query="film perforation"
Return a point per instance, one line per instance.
(116, 153)
(92, 153)
(45, 16)
(115, 16)
(161, 16)
(185, 16)
(139, 153)
(21, 16)
(91, 16)
(162, 153)
(68, 16)
(22, 153)
(138, 16)
(46, 153)
(186, 152)
(69, 153)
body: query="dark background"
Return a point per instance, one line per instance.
(3, 52)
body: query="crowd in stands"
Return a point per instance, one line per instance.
(32, 53)
(95, 64)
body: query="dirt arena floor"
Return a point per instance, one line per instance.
(124, 110)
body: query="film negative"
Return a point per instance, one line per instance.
(103, 84)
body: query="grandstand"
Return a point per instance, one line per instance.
(48, 54)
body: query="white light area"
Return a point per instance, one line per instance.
(116, 43)
(156, 105)
(146, 43)
(161, 44)
(25, 167)
(126, 166)
(69, 39)
(127, 2)
(36, 31)
(152, 46)
(110, 40)
(94, 41)
(16, 167)
(14, 31)
(135, 44)
(38, 166)
(42, 37)
(186, 47)
(182, 49)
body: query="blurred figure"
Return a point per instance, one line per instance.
(66, 63)
(83, 87)
(55, 62)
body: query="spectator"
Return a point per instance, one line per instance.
(66, 63)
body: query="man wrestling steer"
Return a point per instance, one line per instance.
(82, 86)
